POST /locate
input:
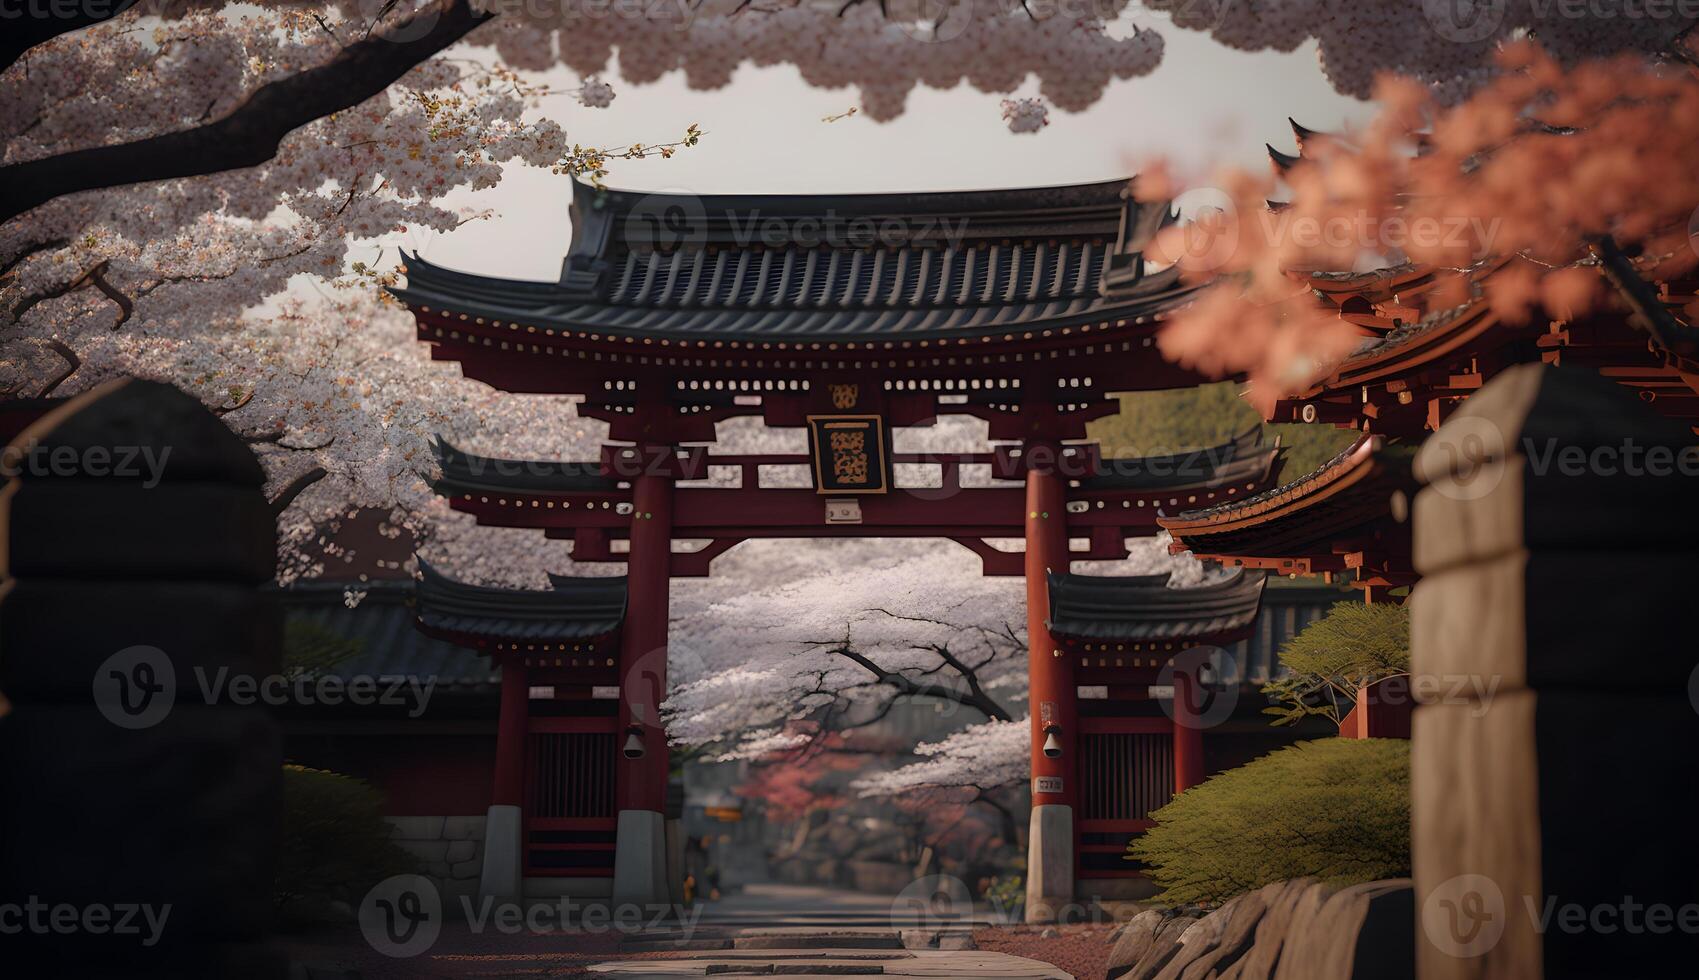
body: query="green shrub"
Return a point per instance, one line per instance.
(1336, 809)
(1355, 644)
(1205, 416)
(310, 648)
(335, 844)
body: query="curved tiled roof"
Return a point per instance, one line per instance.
(804, 297)
(837, 267)
(1358, 453)
(574, 609)
(1143, 607)
(463, 472)
(1244, 457)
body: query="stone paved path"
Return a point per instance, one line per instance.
(801, 932)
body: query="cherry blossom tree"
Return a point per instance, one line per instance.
(229, 107)
(884, 49)
(1448, 46)
(824, 645)
(1576, 178)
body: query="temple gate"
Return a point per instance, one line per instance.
(849, 317)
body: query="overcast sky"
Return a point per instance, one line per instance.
(1206, 106)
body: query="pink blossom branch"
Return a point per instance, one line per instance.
(249, 134)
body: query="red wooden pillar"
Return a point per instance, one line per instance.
(504, 823)
(643, 643)
(640, 849)
(510, 733)
(1055, 727)
(1188, 730)
(1051, 673)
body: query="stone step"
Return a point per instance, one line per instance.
(818, 941)
(641, 944)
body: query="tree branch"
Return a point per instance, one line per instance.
(25, 253)
(95, 277)
(72, 363)
(250, 133)
(287, 495)
(23, 33)
(1643, 300)
(976, 697)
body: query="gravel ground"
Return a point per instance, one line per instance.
(1080, 950)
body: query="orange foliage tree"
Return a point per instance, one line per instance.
(1563, 180)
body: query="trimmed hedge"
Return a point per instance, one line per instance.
(335, 845)
(1335, 809)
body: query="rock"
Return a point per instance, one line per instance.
(1300, 931)
(1132, 941)
(1286, 930)
(957, 941)
(920, 938)
(1049, 934)
(1370, 931)
(463, 828)
(1281, 899)
(431, 851)
(417, 828)
(1198, 939)
(1162, 948)
(1238, 930)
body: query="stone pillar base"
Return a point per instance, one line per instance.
(1050, 863)
(675, 861)
(640, 860)
(504, 853)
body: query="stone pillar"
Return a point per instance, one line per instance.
(504, 823)
(1552, 653)
(1188, 729)
(1050, 843)
(640, 854)
(135, 543)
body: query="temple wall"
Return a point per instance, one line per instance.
(450, 852)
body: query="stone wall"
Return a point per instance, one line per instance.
(1550, 777)
(450, 851)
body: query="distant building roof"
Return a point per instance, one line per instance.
(1242, 459)
(573, 609)
(381, 624)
